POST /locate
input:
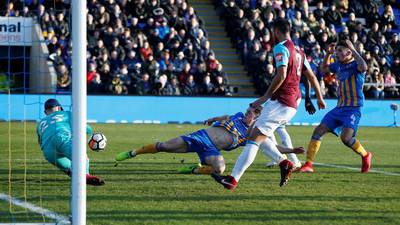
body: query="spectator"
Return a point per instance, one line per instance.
(206, 88)
(175, 89)
(162, 86)
(379, 86)
(144, 86)
(332, 16)
(391, 90)
(190, 87)
(220, 87)
(63, 78)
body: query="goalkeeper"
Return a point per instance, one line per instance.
(225, 133)
(55, 139)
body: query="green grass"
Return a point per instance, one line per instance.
(147, 189)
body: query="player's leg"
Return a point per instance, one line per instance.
(248, 155)
(348, 138)
(212, 163)
(287, 142)
(264, 127)
(175, 145)
(264, 150)
(64, 157)
(313, 147)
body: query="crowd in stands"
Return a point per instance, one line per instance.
(372, 26)
(142, 47)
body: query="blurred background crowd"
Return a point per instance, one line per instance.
(372, 26)
(160, 47)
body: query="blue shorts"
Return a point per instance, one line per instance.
(200, 143)
(343, 117)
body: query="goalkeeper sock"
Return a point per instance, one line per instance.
(358, 148)
(203, 170)
(146, 149)
(312, 150)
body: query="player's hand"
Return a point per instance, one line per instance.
(331, 48)
(208, 122)
(321, 104)
(309, 106)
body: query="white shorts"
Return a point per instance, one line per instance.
(273, 115)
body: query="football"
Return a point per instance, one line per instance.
(97, 142)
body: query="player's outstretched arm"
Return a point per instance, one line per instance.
(208, 122)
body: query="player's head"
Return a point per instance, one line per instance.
(343, 53)
(251, 115)
(52, 105)
(281, 28)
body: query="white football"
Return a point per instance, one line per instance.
(97, 142)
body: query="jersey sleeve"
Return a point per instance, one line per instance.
(89, 130)
(334, 67)
(238, 115)
(306, 64)
(281, 55)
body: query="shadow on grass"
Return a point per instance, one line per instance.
(223, 198)
(239, 215)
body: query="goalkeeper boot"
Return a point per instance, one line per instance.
(125, 155)
(94, 181)
(188, 169)
(366, 163)
(286, 170)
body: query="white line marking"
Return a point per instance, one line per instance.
(356, 169)
(31, 207)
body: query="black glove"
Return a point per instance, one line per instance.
(309, 106)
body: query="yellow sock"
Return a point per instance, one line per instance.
(147, 149)
(312, 150)
(358, 148)
(203, 170)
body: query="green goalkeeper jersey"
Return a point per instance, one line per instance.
(56, 124)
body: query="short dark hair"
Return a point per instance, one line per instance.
(282, 25)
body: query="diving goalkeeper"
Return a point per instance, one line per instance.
(55, 139)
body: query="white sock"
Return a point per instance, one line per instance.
(269, 149)
(287, 142)
(245, 159)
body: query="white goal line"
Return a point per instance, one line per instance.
(356, 169)
(60, 219)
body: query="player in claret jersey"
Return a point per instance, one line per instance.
(281, 101)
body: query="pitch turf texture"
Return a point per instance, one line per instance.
(148, 190)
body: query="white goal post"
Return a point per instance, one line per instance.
(78, 184)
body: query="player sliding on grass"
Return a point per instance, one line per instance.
(55, 139)
(225, 133)
(344, 118)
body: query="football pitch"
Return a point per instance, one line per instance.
(148, 190)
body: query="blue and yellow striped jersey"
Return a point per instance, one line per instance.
(237, 127)
(350, 91)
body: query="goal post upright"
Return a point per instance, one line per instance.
(78, 184)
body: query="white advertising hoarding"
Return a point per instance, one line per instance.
(15, 31)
